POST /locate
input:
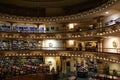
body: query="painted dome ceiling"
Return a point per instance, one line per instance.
(47, 8)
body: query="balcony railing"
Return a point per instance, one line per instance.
(8, 29)
(105, 50)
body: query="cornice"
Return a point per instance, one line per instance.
(66, 18)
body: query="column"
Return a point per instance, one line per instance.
(58, 63)
(72, 64)
(11, 26)
(64, 66)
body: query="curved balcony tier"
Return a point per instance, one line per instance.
(101, 55)
(73, 17)
(98, 32)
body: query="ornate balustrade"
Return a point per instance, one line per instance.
(106, 56)
(104, 31)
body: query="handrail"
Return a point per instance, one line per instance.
(91, 49)
(62, 31)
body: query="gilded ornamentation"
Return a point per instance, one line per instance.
(115, 44)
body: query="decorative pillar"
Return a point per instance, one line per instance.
(98, 44)
(58, 63)
(11, 44)
(101, 45)
(11, 26)
(64, 66)
(37, 26)
(64, 44)
(72, 63)
(83, 46)
(100, 21)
